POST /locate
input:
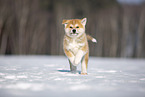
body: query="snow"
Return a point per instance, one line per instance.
(49, 76)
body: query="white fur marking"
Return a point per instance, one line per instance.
(71, 25)
(81, 44)
(66, 30)
(78, 57)
(76, 25)
(74, 46)
(94, 40)
(84, 68)
(71, 59)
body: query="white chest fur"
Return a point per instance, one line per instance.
(74, 46)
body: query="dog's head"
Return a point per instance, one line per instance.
(75, 27)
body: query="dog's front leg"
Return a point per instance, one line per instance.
(71, 58)
(70, 55)
(78, 57)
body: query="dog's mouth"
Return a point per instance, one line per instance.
(74, 33)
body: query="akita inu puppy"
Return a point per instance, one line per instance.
(75, 44)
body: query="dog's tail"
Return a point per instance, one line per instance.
(91, 38)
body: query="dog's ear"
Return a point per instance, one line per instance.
(64, 21)
(83, 21)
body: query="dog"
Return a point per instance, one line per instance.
(75, 44)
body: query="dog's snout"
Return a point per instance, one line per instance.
(74, 30)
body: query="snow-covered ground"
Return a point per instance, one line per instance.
(49, 76)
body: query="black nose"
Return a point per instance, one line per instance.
(74, 30)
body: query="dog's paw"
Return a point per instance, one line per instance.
(83, 73)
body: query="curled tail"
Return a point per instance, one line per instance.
(91, 38)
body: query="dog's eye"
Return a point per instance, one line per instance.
(77, 27)
(70, 27)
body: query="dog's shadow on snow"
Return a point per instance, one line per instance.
(68, 71)
(64, 70)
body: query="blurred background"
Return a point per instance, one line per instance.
(35, 26)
